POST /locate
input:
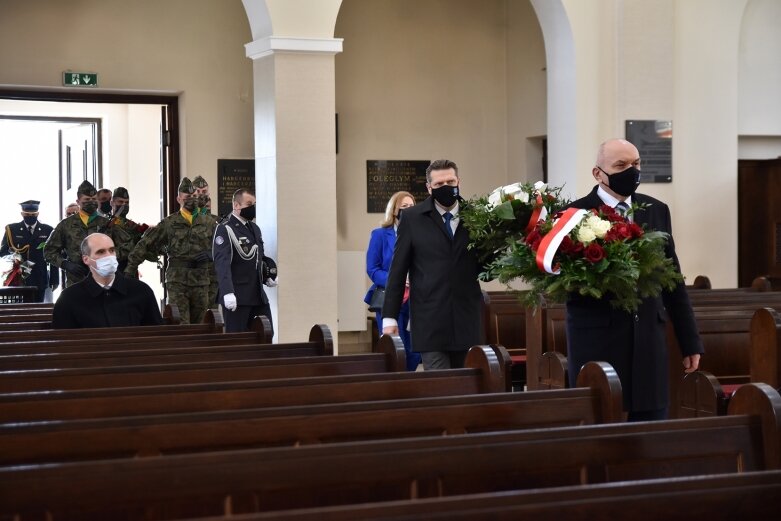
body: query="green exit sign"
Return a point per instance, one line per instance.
(80, 79)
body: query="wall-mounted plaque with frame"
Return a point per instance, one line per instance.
(384, 177)
(232, 174)
(654, 141)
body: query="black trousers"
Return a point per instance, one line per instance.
(241, 319)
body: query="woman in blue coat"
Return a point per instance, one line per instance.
(378, 261)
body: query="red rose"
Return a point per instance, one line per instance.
(570, 247)
(594, 253)
(636, 230)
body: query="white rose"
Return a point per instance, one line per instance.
(586, 234)
(599, 226)
(515, 192)
(495, 199)
(540, 186)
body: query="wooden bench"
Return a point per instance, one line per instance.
(18, 294)
(220, 483)
(722, 497)
(596, 400)
(504, 323)
(156, 350)
(485, 373)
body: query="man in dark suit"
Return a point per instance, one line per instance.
(25, 238)
(444, 293)
(634, 344)
(241, 266)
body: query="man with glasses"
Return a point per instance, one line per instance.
(633, 343)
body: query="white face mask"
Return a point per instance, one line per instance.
(106, 266)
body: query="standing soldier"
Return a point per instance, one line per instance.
(186, 239)
(25, 241)
(127, 233)
(205, 208)
(67, 236)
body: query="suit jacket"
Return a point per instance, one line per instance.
(444, 291)
(42, 275)
(378, 258)
(634, 344)
(237, 275)
(129, 302)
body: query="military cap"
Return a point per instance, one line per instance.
(186, 186)
(200, 182)
(30, 206)
(86, 188)
(269, 268)
(121, 191)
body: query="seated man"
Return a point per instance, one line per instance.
(105, 298)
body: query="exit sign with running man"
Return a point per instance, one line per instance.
(80, 79)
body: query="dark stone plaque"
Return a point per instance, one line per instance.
(233, 174)
(386, 177)
(654, 140)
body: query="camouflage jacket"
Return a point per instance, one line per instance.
(67, 236)
(181, 242)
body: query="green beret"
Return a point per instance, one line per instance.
(186, 186)
(200, 182)
(86, 188)
(121, 191)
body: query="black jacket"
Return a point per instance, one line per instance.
(444, 292)
(43, 275)
(237, 275)
(634, 344)
(128, 302)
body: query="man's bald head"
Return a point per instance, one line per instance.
(97, 242)
(613, 148)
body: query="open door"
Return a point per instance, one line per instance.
(79, 159)
(759, 221)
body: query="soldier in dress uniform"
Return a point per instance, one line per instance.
(205, 208)
(185, 237)
(67, 236)
(241, 266)
(26, 239)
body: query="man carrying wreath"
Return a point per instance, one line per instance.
(633, 343)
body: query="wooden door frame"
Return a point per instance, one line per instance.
(170, 101)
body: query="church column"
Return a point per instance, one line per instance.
(295, 176)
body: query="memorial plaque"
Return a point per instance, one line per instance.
(654, 140)
(232, 174)
(386, 177)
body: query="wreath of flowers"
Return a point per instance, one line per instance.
(497, 220)
(604, 255)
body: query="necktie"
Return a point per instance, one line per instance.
(448, 217)
(622, 208)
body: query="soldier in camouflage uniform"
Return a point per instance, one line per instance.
(186, 238)
(67, 236)
(127, 233)
(205, 208)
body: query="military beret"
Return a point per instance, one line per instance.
(121, 191)
(86, 188)
(186, 186)
(200, 182)
(30, 206)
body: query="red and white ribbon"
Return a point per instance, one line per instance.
(551, 242)
(539, 213)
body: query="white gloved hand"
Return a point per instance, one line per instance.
(230, 301)
(271, 283)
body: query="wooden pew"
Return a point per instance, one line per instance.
(222, 367)
(596, 400)
(485, 373)
(220, 483)
(723, 497)
(156, 350)
(504, 322)
(18, 294)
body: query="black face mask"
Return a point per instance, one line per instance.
(445, 195)
(248, 213)
(122, 210)
(190, 204)
(89, 207)
(398, 214)
(29, 220)
(624, 183)
(105, 207)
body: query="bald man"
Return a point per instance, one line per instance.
(633, 343)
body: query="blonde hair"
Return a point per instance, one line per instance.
(393, 208)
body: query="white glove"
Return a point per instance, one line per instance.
(230, 301)
(271, 283)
